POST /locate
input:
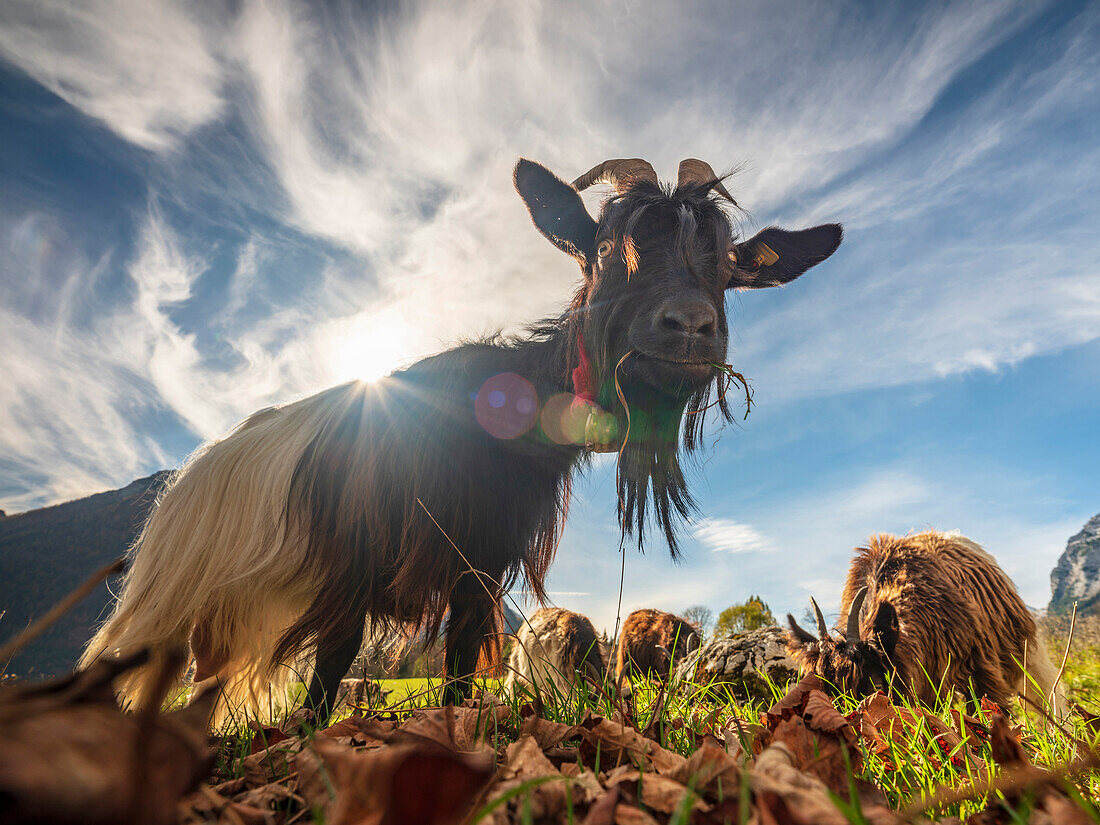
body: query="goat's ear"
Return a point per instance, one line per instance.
(556, 209)
(775, 256)
(886, 629)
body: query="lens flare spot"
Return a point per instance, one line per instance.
(506, 405)
(563, 418)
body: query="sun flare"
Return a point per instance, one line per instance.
(368, 347)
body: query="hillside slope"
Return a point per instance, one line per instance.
(46, 553)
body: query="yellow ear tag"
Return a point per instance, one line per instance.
(600, 432)
(765, 256)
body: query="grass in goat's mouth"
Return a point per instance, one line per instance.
(732, 375)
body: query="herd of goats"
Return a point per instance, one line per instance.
(421, 498)
(923, 614)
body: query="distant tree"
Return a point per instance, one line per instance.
(702, 617)
(738, 618)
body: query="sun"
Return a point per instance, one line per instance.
(368, 347)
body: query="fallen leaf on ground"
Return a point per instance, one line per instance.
(71, 755)
(461, 729)
(388, 786)
(524, 765)
(615, 743)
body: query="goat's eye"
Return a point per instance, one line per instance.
(604, 249)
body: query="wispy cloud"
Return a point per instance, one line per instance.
(721, 535)
(145, 69)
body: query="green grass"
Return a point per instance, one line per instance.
(1082, 676)
(915, 764)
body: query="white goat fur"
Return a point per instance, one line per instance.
(540, 654)
(215, 551)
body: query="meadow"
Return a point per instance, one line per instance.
(554, 757)
(659, 751)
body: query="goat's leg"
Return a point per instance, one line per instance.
(334, 658)
(472, 622)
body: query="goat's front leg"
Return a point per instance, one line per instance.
(335, 655)
(472, 627)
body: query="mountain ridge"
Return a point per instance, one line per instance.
(1076, 577)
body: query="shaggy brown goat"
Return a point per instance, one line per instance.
(652, 643)
(440, 485)
(925, 610)
(553, 647)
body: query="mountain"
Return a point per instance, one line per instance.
(1077, 575)
(46, 553)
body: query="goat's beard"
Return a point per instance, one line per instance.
(650, 479)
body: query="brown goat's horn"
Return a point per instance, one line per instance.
(693, 170)
(852, 633)
(622, 173)
(822, 628)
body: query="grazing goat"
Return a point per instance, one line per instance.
(652, 643)
(925, 610)
(554, 647)
(441, 484)
(361, 692)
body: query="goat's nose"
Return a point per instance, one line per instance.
(688, 317)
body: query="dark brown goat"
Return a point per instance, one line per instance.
(653, 643)
(925, 610)
(441, 484)
(553, 647)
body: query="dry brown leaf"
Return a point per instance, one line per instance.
(462, 729)
(820, 715)
(626, 814)
(585, 784)
(547, 733)
(618, 744)
(269, 797)
(207, 805)
(713, 771)
(816, 754)
(524, 762)
(70, 755)
(660, 793)
(602, 811)
(741, 735)
(1062, 811)
(362, 731)
(270, 764)
(230, 788)
(793, 702)
(387, 786)
(264, 737)
(1006, 748)
(788, 796)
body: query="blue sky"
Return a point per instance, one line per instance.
(213, 207)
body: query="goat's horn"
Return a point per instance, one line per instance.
(852, 633)
(822, 628)
(693, 170)
(622, 173)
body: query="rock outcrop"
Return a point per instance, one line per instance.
(742, 662)
(1077, 575)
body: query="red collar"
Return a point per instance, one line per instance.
(600, 427)
(584, 383)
